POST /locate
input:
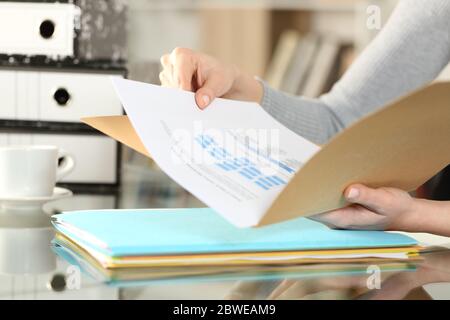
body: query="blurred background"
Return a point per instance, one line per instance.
(56, 58)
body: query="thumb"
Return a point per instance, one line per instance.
(213, 87)
(376, 200)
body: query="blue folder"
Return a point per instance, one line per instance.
(118, 233)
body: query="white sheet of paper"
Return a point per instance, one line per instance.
(232, 156)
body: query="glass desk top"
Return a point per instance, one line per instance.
(30, 269)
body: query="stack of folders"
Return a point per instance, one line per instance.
(198, 239)
(124, 277)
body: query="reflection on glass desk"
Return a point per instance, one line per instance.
(30, 268)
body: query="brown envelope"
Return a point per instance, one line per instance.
(118, 128)
(402, 145)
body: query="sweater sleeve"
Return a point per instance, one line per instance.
(407, 53)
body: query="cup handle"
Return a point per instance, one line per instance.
(66, 166)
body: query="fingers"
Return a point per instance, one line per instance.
(212, 87)
(188, 70)
(377, 200)
(183, 67)
(165, 62)
(164, 79)
(352, 217)
(179, 68)
(165, 76)
(244, 290)
(370, 209)
(396, 287)
(282, 288)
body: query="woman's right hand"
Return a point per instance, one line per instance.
(208, 77)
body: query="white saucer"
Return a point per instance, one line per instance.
(33, 202)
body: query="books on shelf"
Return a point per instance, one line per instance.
(282, 58)
(307, 64)
(321, 68)
(300, 65)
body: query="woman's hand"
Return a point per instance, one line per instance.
(206, 76)
(388, 209)
(373, 209)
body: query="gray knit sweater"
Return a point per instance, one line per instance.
(410, 51)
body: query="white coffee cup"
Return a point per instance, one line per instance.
(32, 171)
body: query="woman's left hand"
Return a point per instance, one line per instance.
(372, 209)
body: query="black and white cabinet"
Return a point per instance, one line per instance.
(44, 106)
(51, 95)
(30, 28)
(56, 64)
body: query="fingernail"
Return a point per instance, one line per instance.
(353, 194)
(205, 100)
